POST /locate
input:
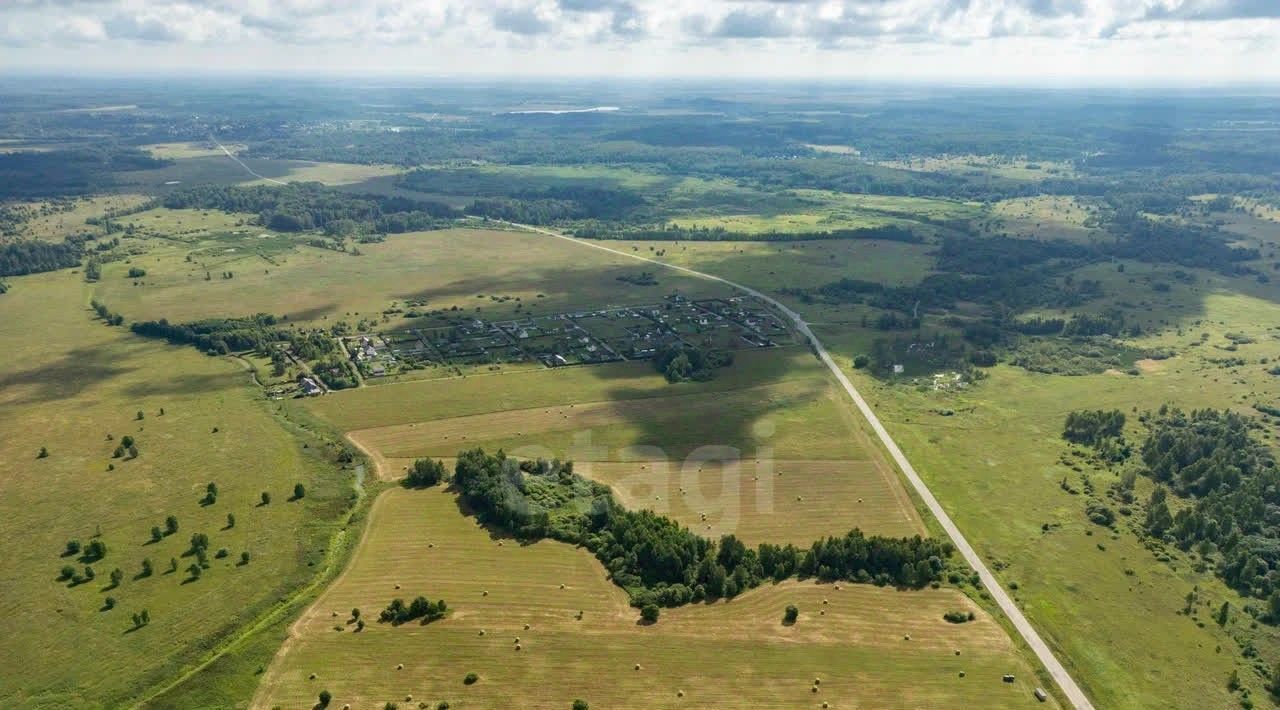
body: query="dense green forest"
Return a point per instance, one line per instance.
(79, 171)
(655, 559)
(1231, 490)
(31, 257)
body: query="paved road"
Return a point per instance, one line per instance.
(1064, 680)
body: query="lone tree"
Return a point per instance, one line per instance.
(44, 453)
(156, 534)
(170, 525)
(299, 491)
(266, 498)
(117, 576)
(73, 548)
(325, 698)
(581, 704)
(790, 615)
(244, 558)
(231, 521)
(649, 613)
(146, 568)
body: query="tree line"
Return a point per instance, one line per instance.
(299, 207)
(676, 233)
(220, 336)
(654, 558)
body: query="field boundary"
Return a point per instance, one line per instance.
(1070, 689)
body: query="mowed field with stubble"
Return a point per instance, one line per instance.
(778, 458)
(581, 640)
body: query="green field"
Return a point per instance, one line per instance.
(463, 268)
(734, 653)
(67, 384)
(995, 465)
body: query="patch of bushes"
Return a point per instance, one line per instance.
(397, 612)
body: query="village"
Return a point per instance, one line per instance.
(573, 338)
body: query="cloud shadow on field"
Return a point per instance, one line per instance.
(185, 384)
(66, 377)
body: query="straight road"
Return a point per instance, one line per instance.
(1060, 675)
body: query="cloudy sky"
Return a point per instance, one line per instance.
(1159, 41)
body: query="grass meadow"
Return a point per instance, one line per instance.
(67, 383)
(463, 268)
(1110, 608)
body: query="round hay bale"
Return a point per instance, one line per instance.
(837, 587)
(859, 500)
(957, 652)
(408, 698)
(906, 637)
(825, 602)
(822, 612)
(397, 586)
(431, 544)
(679, 693)
(518, 647)
(637, 666)
(817, 681)
(333, 614)
(311, 677)
(346, 706)
(484, 593)
(825, 705)
(482, 632)
(526, 627)
(562, 586)
(813, 689)
(517, 639)
(961, 674)
(399, 666)
(499, 543)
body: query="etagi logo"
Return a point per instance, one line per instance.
(710, 489)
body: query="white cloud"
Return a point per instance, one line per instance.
(1104, 38)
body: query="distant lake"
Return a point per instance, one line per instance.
(593, 109)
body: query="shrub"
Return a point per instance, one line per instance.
(791, 614)
(581, 704)
(1100, 514)
(470, 679)
(861, 361)
(649, 612)
(325, 698)
(958, 617)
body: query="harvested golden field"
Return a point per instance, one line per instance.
(578, 638)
